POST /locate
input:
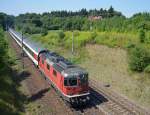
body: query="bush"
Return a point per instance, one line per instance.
(44, 32)
(61, 35)
(76, 33)
(147, 69)
(139, 58)
(3, 46)
(92, 37)
(142, 36)
(130, 45)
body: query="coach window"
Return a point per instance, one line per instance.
(54, 73)
(48, 67)
(42, 61)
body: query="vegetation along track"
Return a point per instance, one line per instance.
(102, 101)
(40, 91)
(112, 103)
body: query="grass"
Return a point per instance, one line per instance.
(53, 42)
(110, 66)
(13, 89)
(111, 39)
(11, 99)
(107, 64)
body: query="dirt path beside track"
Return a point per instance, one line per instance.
(43, 100)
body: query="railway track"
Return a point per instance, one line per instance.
(112, 103)
(102, 101)
(48, 100)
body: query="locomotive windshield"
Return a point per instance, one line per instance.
(73, 81)
(84, 78)
(70, 82)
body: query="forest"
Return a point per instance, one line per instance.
(111, 20)
(112, 29)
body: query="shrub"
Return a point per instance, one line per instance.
(142, 36)
(93, 35)
(139, 58)
(91, 38)
(147, 69)
(61, 35)
(44, 32)
(3, 46)
(76, 33)
(130, 45)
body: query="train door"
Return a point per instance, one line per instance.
(55, 74)
(61, 82)
(41, 62)
(65, 85)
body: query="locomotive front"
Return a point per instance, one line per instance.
(76, 85)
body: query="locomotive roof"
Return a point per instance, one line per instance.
(75, 71)
(63, 65)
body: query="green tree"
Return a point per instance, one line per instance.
(61, 35)
(139, 58)
(44, 32)
(3, 48)
(111, 12)
(142, 36)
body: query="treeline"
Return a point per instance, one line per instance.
(111, 20)
(6, 20)
(85, 13)
(121, 24)
(64, 20)
(3, 49)
(11, 98)
(36, 23)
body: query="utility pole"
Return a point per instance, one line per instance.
(72, 42)
(22, 54)
(91, 28)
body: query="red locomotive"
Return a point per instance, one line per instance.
(69, 80)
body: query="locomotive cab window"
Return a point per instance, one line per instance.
(70, 82)
(84, 78)
(65, 82)
(42, 61)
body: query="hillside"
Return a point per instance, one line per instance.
(110, 66)
(106, 57)
(11, 98)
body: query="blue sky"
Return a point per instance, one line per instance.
(127, 7)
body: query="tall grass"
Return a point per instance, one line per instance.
(11, 98)
(114, 39)
(134, 85)
(111, 39)
(53, 40)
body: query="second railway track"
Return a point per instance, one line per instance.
(102, 101)
(48, 100)
(114, 104)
